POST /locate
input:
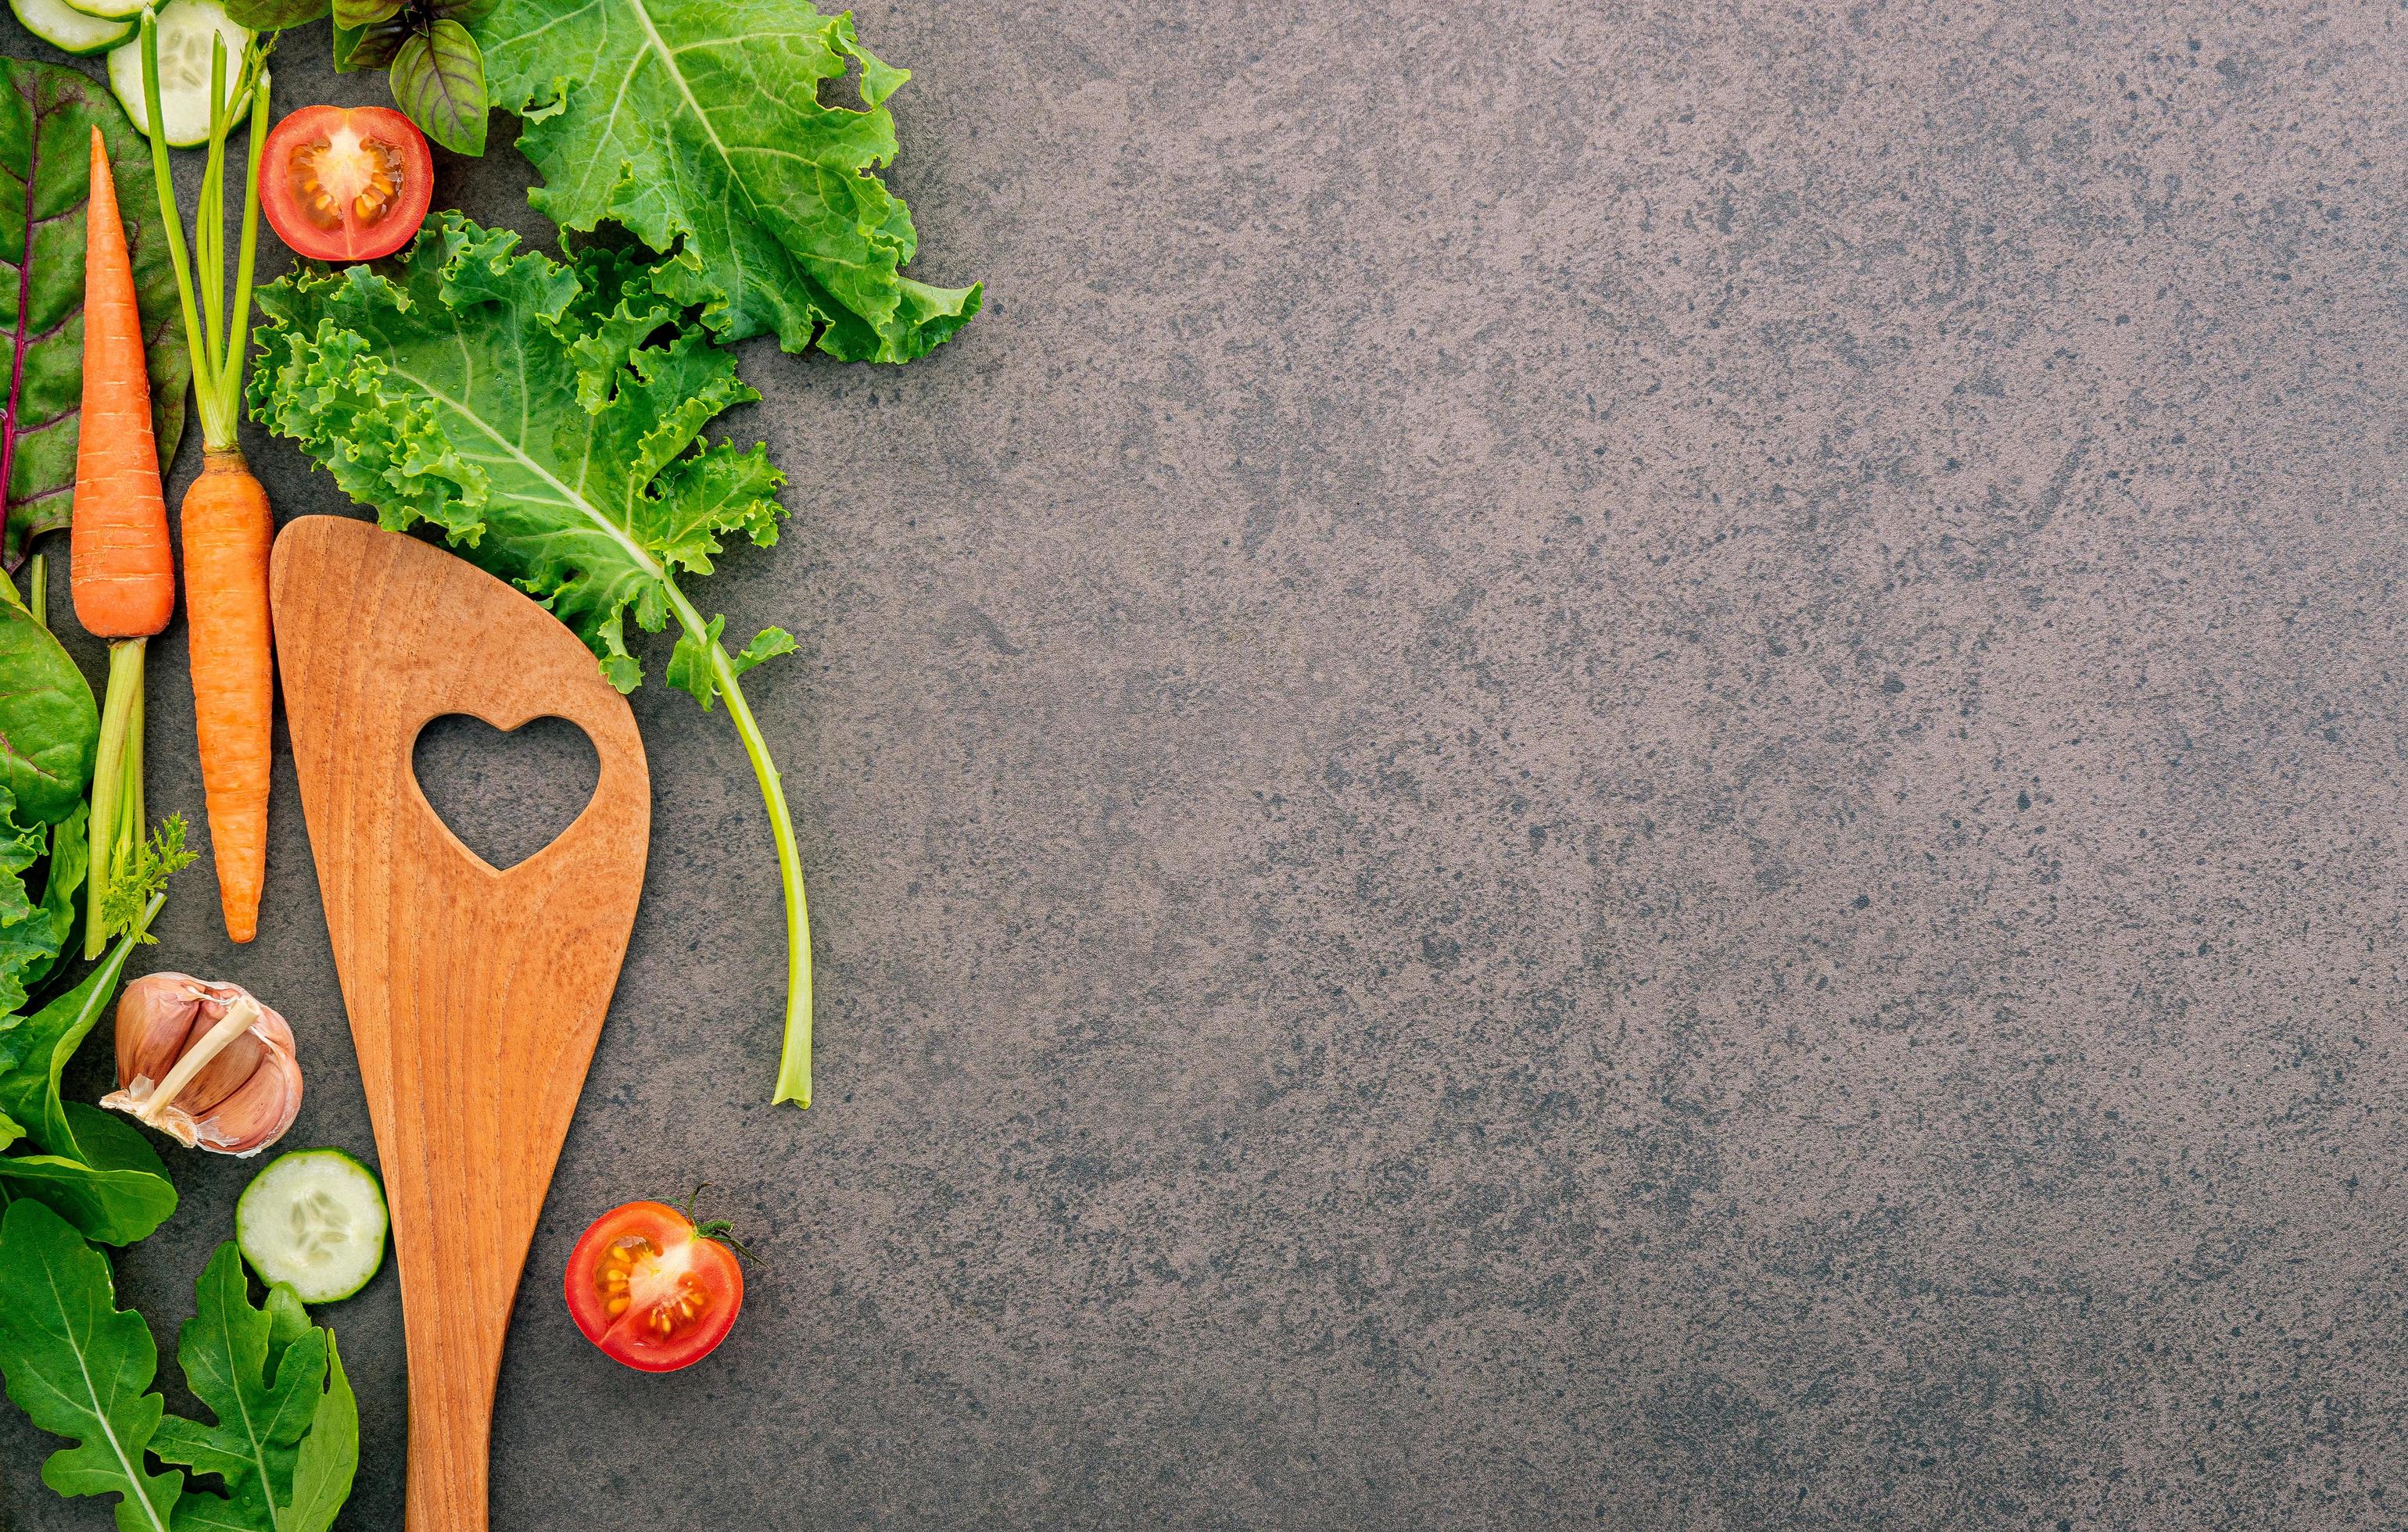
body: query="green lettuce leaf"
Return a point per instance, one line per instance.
(517, 404)
(699, 126)
(81, 1367)
(286, 1441)
(47, 115)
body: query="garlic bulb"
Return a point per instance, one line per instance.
(206, 1063)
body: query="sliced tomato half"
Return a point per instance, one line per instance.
(653, 1288)
(346, 183)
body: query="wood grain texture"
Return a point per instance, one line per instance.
(476, 996)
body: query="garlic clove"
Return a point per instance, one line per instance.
(155, 1021)
(206, 1063)
(257, 1113)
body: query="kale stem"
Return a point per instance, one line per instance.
(794, 1057)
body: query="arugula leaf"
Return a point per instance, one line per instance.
(527, 409)
(330, 1454)
(81, 1367)
(286, 1442)
(699, 126)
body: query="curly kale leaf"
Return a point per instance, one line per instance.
(548, 418)
(699, 126)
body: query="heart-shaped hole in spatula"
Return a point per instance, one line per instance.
(506, 794)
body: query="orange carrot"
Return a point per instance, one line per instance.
(124, 569)
(227, 526)
(227, 533)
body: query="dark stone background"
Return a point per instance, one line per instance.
(1596, 765)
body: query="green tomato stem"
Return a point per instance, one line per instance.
(795, 1056)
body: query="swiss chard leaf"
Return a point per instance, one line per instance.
(286, 1441)
(518, 404)
(699, 126)
(81, 1367)
(47, 116)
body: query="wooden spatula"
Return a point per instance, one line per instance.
(475, 995)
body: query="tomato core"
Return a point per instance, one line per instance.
(660, 1288)
(346, 169)
(347, 183)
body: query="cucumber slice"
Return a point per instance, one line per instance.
(110, 11)
(314, 1217)
(185, 28)
(68, 29)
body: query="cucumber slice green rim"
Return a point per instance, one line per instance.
(108, 10)
(185, 29)
(314, 1219)
(69, 30)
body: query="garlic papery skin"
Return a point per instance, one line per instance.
(206, 1063)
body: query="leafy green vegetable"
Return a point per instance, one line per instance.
(47, 115)
(49, 726)
(133, 898)
(286, 1441)
(26, 933)
(81, 1367)
(274, 15)
(95, 1170)
(47, 730)
(699, 126)
(438, 73)
(525, 408)
(438, 78)
(112, 1188)
(69, 861)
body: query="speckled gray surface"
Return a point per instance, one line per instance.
(1596, 764)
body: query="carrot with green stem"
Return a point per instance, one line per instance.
(123, 568)
(228, 528)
